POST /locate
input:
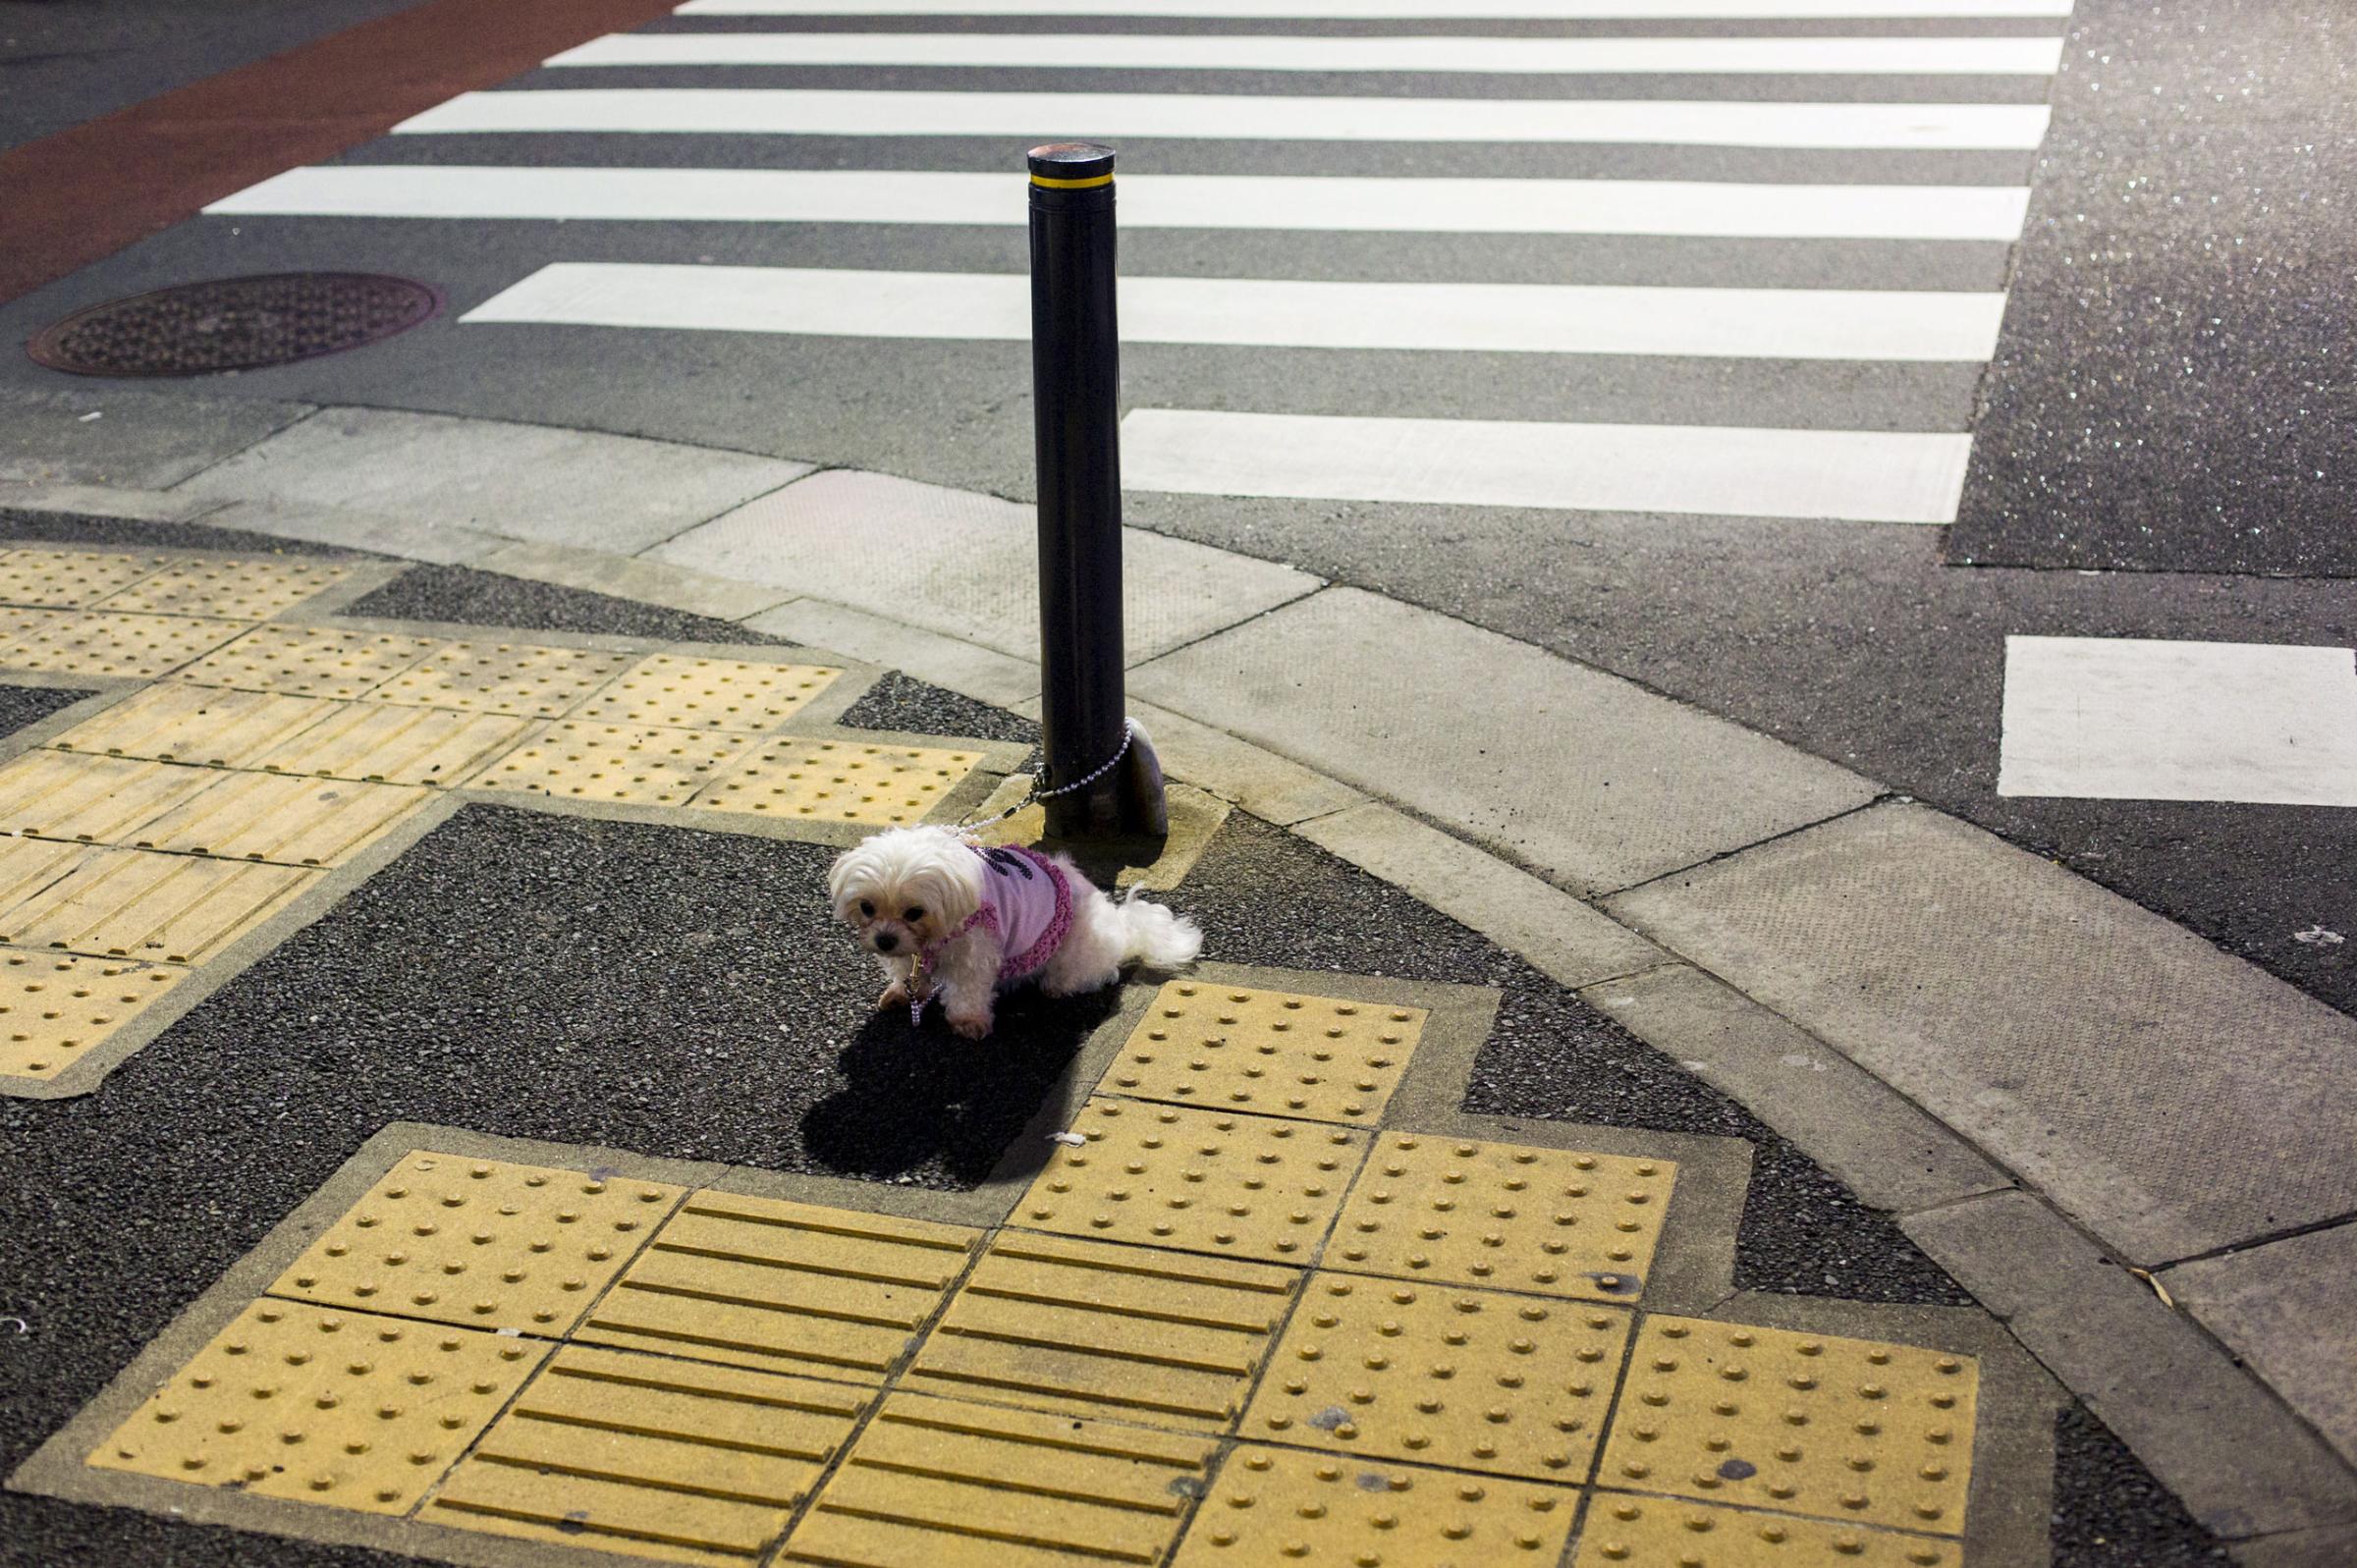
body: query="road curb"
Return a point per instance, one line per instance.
(2276, 1483)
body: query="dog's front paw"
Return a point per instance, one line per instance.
(973, 1025)
(894, 994)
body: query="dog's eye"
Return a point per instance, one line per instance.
(913, 913)
(867, 910)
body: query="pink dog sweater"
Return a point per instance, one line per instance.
(1025, 902)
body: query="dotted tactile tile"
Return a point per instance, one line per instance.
(1809, 1424)
(70, 578)
(18, 622)
(839, 781)
(1091, 1328)
(1244, 1186)
(786, 1286)
(345, 1408)
(683, 693)
(480, 1242)
(1441, 1374)
(129, 904)
(943, 1483)
(310, 661)
(99, 642)
(281, 819)
(53, 1007)
(574, 759)
(1277, 1505)
(650, 1457)
(510, 678)
(240, 589)
(1325, 1058)
(207, 726)
(1624, 1531)
(1501, 1214)
(58, 794)
(380, 744)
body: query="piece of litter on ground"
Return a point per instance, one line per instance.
(94, 413)
(22, 1326)
(2159, 1289)
(2319, 937)
(1070, 1140)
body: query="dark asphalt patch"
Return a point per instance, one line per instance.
(472, 598)
(131, 533)
(25, 705)
(1264, 897)
(900, 702)
(2109, 1511)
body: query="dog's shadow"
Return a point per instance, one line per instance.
(927, 1101)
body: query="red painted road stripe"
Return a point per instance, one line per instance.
(90, 191)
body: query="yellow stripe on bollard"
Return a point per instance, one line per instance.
(1073, 184)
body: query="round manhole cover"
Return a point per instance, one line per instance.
(233, 324)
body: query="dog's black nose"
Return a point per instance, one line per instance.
(886, 942)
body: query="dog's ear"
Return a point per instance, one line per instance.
(846, 865)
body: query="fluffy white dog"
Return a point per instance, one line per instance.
(944, 916)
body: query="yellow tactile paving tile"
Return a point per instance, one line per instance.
(785, 1286)
(97, 643)
(310, 661)
(1624, 1531)
(515, 678)
(55, 1006)
(134, 904)
(28, 865)
(689, 693)
(650, 1457)
(380, 744)
(1161, 1176)
(1091, 1328)
(1504, 1216)
(1440, 1375)
(575, 759)
(349, 1409)
(1808, 1423)
(481, 1242)
(70, 578)
(839, 781)
(1272, 1506)
(241, 589)
(1323, 1059)
(57, 794)
(18, 620)
(206, 725)
(945, 1484)
(281, 819)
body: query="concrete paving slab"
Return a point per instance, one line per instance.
(1470, 728)
(2290, 1311)
(966, 565)
(2242, 1463)
(93, 433)
(963, 667)
(2173, 1098)
(697, 593)
(2299, 1549)
(104, 501)
(1883, 1148)
(444, 543)
(524, 481)
(1561, 936)
(1264, 783)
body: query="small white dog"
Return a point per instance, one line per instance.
(945, 915)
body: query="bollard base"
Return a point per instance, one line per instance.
(1123, 820)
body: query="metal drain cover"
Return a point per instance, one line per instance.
(198, 329)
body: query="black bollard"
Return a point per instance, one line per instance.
(1076, 390)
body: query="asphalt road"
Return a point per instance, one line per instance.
(2162, 424)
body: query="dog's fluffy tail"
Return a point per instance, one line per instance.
(1155, 936)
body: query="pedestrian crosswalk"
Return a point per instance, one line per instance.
(1625, 183)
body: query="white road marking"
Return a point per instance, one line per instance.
(1265, 312)
(1851, 476)
(751, 111)
(1129, 51)
(1402, 10)
(2135, 719)
(1148, 202)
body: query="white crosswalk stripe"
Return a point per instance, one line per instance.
(1884, 182)
(1113, 115)
(1671, 56)
(1262, 313)
(1303, 203)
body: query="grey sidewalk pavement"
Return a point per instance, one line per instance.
(2046, 1084)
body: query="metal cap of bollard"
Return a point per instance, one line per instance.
(1072, 165)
